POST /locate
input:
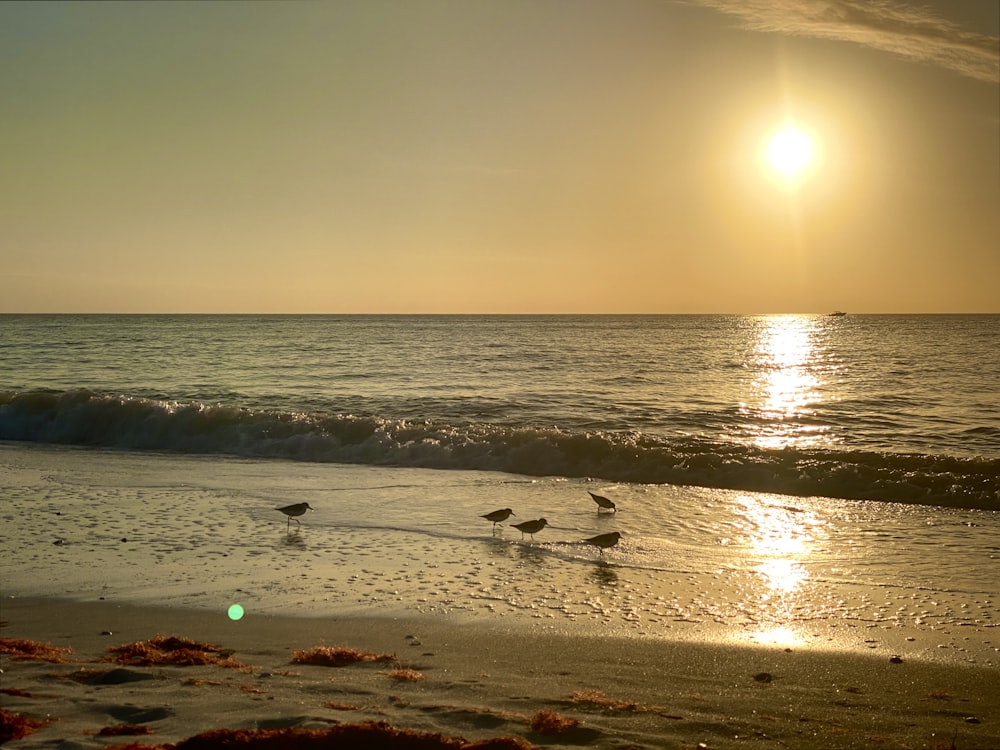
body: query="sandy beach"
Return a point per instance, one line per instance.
(476, 682)
(736, 621)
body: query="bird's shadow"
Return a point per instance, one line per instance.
(517, 549)
(604, 574)
(531, 553)
(498, 546)
(294, 539)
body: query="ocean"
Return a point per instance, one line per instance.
(889, 408)
(846, 467)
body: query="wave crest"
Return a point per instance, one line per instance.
(86, 418)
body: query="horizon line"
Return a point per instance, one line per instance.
(489, 314)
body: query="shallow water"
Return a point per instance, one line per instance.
(693, 562)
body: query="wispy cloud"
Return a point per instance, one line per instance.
(902, 29)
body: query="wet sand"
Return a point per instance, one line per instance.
(479, 680)
(721, 620)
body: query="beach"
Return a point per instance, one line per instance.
(479, 681)
(739, 620)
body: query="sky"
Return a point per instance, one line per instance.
(500, 156)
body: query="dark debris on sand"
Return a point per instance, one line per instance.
(547, 721)
(365, 736)
(124, 730)
(24, 650)
(164, 649)
(14, 726)
(337, 656)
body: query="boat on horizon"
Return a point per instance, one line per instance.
(837, 314)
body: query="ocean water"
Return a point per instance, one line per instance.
(786, 479)
(887, 408)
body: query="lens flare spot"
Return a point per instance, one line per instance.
(235, 612)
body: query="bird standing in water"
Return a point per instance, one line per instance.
(499, 515)
(530, 527)
(604, 541)
(294, 510)
(602, 502)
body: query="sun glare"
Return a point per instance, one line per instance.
(790, 152)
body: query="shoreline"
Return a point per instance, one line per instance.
(484, 679)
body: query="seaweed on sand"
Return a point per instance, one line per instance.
(405, 675)
(337, 656)
(364, 736)
(124, 730)
(163, 649)
(546, 721)
(23, 650)
(15, 726)
(598, 699)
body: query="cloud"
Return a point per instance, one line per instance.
(904, 30)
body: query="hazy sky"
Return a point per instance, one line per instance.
(524, 156)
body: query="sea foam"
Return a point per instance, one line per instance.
(85, 418)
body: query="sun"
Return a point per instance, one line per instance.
(790, 152)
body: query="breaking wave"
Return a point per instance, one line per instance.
(85, 418)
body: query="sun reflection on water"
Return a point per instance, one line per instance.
(780, 540)
(787, 385)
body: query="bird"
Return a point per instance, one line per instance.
(603, 541)
(499, 515)
(602, 502)
(295, 510)
(530, 527)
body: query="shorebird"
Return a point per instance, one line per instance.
(499, 515)
(530, 527)
(294, 510)
(602, 502)
(604, 540)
